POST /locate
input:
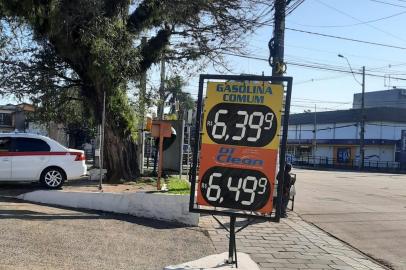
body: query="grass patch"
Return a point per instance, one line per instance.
(178, 186)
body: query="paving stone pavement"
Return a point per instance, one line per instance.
(290, 244)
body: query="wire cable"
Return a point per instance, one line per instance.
(351, 25)
(320, 67)
(386, 3)
(354, 18)
(347, 39)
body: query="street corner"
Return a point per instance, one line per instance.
(290, 244)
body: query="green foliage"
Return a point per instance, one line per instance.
(111, 50)
(178, 186)
(74, 51)
(180, 101)
(125, 120)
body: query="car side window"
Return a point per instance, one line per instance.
(5, 143)
(30, 145)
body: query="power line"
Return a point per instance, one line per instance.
(386, 3)
(310, 107)
(320, 67)
(347, 39)
(294, 6)
(354, 18)
(353, 55)
(324, 101)
(354, 24)
(385, 125)
(342, 38)
(327, 128)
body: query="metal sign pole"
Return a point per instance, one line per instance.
(102, 141)
(161, 157)
(232, 248)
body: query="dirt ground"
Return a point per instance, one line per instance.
(144, 184)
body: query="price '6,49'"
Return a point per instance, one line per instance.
(241, 124)
(235, 188)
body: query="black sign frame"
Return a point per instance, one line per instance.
(275, 215)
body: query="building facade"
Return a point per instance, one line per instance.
(332, 138)
(14, 117)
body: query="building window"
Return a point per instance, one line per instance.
(5, 119)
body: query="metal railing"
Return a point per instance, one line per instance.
(351, 164)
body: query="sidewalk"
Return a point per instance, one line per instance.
(290, 244)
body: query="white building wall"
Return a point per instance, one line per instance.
(346, 131)
(382, 153)
(324, 151)
(325, 131)
(373, 130)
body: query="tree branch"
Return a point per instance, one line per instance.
(145, 15)
(152, 51)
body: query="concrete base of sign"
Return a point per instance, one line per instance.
(217, 262)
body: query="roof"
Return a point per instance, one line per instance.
(22, 134)
(19, 107)
(377, 114)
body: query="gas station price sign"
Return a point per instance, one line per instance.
(240, 141)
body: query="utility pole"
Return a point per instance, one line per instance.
(276, 61)
(362, 116)
(315, 135)
(102, 128)
(276, 45)
(142, 99)
(362, 134)
(161, 104)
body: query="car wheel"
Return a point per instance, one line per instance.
(53, 178)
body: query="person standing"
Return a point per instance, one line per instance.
(287, 184)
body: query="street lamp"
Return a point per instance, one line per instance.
(362, 120)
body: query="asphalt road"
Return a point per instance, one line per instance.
(366, 210)
(42, 237)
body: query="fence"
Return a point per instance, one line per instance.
(351, 164)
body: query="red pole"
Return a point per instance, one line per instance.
(161, 139)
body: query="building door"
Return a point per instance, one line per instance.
(5, 158)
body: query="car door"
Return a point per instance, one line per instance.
(5, 158)
(29, 158)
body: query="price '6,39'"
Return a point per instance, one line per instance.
(241, 124)
(235, 188)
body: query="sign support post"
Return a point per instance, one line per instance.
(161, 155)
(232, 247)
(161, 130)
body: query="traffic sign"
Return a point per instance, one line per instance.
(239, 144)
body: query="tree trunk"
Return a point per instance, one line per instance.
(120, 155)
(120, 149)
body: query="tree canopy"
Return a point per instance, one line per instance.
(79, 49)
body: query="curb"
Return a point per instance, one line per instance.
(172, 208)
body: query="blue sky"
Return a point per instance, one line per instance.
(346, 18)
(340, 18)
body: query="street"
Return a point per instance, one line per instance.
(42, 237)
(366, 210)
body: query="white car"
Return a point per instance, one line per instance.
(31, 157)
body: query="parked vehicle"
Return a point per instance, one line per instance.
(31, 157)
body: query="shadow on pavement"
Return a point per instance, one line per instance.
(47, 212)
(17, 188)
